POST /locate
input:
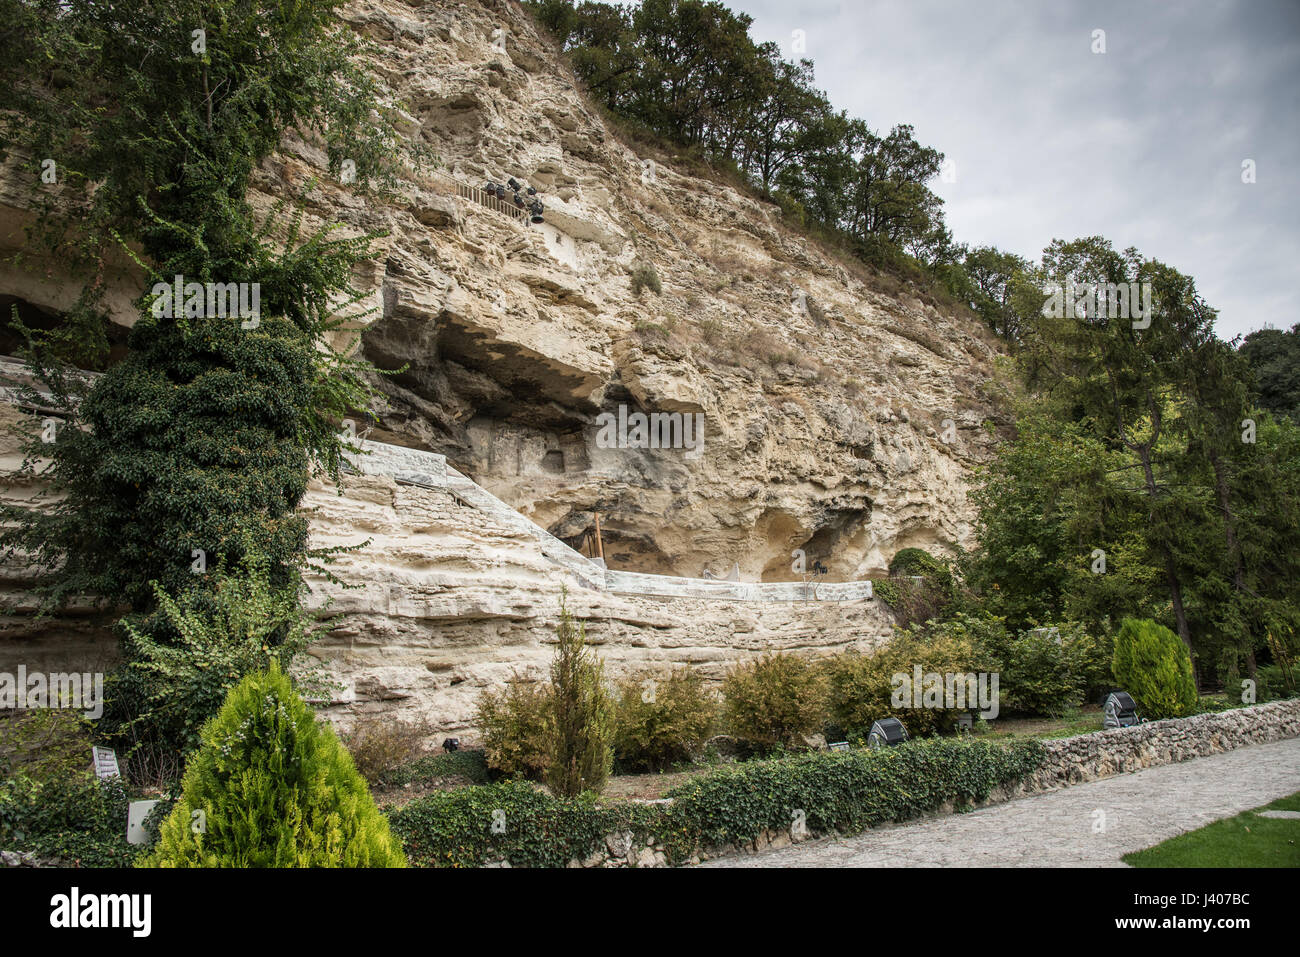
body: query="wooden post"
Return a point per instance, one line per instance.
(600, 548)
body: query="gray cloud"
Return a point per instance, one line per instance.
(1142, 144)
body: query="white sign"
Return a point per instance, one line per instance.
(105, 763)
(136, 813)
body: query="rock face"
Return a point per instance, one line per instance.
(842, 415)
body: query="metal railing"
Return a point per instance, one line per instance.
(504, 207)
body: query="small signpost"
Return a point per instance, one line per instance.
(105, 763)
(136, 813)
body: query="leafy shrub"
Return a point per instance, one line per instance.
(44, 743)
(862, 687)
(843, 791)
(516, 724)
(1152, 665)
(774, 702)
(72, 819)
(273, 787)
(379, 744)
(644, 276)
(664, 723)
(182, 661)
(583, 729)
(1045, 673)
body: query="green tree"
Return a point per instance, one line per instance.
(583, 729)
(1153, 666)
(273, 787)
(155, 117)
(1274, 358)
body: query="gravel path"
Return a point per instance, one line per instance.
(1088, 825)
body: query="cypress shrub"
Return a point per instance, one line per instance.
(1152, 665)
(270, 786)
(581, 756)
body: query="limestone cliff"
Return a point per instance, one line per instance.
(842, 413)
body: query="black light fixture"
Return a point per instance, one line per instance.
(531, 191)
(451, 744)
(514, 184)
(1120, 711)
(536, 209)
(501, 191)
(886, 733)
(519, 200)
(491, 188)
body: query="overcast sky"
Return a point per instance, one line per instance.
(1143, 143)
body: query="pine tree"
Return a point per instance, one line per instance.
(273, 787)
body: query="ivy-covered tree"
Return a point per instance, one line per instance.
(139, 127)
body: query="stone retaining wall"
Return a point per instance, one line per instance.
(1120, 750)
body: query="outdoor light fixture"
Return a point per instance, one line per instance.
(451, 744)
(886, 733)
(519, 200)
(536, 210)
(1120, 711)
(501, 191)
(514, 184)
(531, 191)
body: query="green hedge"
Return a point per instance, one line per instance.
(455, 828)
(846, 791)
(837, 791)
(76, 820)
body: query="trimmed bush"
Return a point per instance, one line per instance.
(861, 687)
(44, 743)
(846, 791)
(509, 820)
(1152, 665)
(774, 702)
(843, 791)
(662, 722)
(516, 724)
(469, 764)
(270, 786)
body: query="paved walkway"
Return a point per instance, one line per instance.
(1087, 825)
